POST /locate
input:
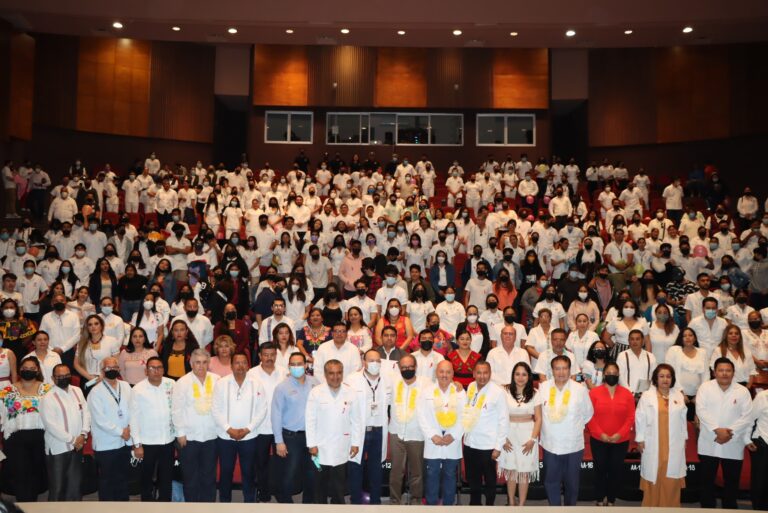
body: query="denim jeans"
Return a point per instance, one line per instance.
(229, 451)
(440, 481)
(371, 465)
(296, 466)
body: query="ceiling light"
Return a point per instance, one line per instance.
(289, 31)
(513, 34)
(117, 25)
(628, 31)
(345, 31)
(401, 32)
(687, 30)
(232, 30)
(176, 28)
(570, 33)
(457, 32)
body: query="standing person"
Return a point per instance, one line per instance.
(724, 409)
(239, 407)
(440, 419)
(519, 463)
(614, 408)
(759, 449)
(373, 392)
(485, 426)
(566, 410)
(67, 423)
(406, 440)
(660, 432)
(505, 356)
(108, 405)
(196, 428)
(689, 362)
(636, 364)
(152, 431)
(334, 432)
(288, 412)
(337, 349)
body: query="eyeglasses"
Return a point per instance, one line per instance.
(339, 331)
(111, 368)
(156, 368)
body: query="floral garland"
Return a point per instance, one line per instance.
(404, 412)
(203, 403)
(472, 408)
(557, 413)
(169, 398)
(446, 414)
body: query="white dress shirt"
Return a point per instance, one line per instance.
(193, 418)
(718, 408)
(433, 398)
(347, 354)
(502, 363)
(633, 369)
(708, 337)
(48, 362)
(109, 409)
(565, 435)
(760, 414)
(401, 423)
(239, 406)
(151, 408)
(544, 362)
(200, 326)
(65, 417)
(269, 382)
(334, 423)
(63, 329)
(426, 365)
(491, 428)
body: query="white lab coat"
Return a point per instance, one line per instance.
(383, 398)
(647, 428)
(334, 424)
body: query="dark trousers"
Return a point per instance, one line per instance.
(25, 450)
(562, 471)
(263, 447)
(675, 216)
(114, 466)
(371, 466)
(759, 484)
(157, 458)
(198, 465)
(481, 474)
(440, 481)
(37, 203)
(560, 221)
(731, 473)
(65, 475)
(229, 451)
(609, 462)
(329, 483)
(296, 466)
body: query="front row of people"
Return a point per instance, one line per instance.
(326, 436)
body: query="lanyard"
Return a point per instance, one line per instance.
(373, 388)
(115, 397)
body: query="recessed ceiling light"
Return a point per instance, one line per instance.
(513, 34)
(289, 31)
(176, 28)
(457, 32)
(570, 33)
(687, 30)
(628, 31)
(345, 31)
(232, 30)
(401, 32)
(117, 25)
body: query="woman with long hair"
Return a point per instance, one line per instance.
(133, 361)
(92, 348)
(358, 333)
(237, 328)
(68, 278)
(519, 461)
(330, 305)
(177, 349)
(313, 334)
(82, 305)
(15, 329)
(395, 316)
(103, 282)
(150, 320)
(663, 333)
(283, 338)
(464, 359)
(616, 333)
(593, 367)
(163, 276)
(732, 347)
(690, 365)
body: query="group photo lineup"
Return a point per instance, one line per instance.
(404, 260)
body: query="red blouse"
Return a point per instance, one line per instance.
(463, 370)
(611, 416)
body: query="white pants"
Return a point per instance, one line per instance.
(132, 207)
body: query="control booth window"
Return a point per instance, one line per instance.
(506, 130)
(288, 127)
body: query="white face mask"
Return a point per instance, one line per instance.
(148, 305)
(583, 296)
(394, 311)
(628, 311)
(295, 287)
(440, 259)
(374, 368)
(472, 318)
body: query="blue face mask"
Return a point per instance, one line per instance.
(725, 287)
(710, 314)
(106, 310)
(450, 297)
(297, 372)
(29, 271)
(21, 250)
(391, 280)
(661, 300)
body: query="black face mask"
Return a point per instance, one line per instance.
(408, 374)
(278, 290)
(419, 294)
(361, 292)
(192, 313)
(333, 295)
(59, 307)
(434, 327)
(315, 256)
(741, 300)
(63, 383)
(611, 380)
(600, 353)
(230, 316)
(507, 257)
(509, 319)
(481, 274)
(477, 254)
(491, 306)
(755, 324)
(587, 246)
(28, 374)
(111, 374)
(426, 345)
(549, 295)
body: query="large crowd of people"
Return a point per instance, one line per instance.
(310, 322)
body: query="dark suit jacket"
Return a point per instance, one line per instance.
(462, 327)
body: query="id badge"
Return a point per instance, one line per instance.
(374, 408)
(120, 414)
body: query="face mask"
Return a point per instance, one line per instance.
(234, 273)
(111, 374)
(80, 253)
(230, 316)
(29, 271)
(9, 313)
(408, 374)
(391, 280)
(450, 297)
(662, 318)
(106, 310)
(600, 353)
(491, 306)
(611, 380)
(583, 296)
(472, 318)
(394, 311)
(544, 283)
(63, 383)
(426, 345)
(710, 314)
(741, 300)
(148, 305)
(628, 311)
(28, 374)
(755, 324)
(20, 251)
(192, 313)
(279, 290)
(725, 287)
(374, 368)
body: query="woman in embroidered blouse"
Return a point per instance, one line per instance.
(464, 360)
(224, 348)
(133, 360)
(519, 462)
(478, 331)
(358, 333)
(7, 367)
(23, 430)
(16, 331)
(310, 337)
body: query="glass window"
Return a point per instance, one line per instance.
(520, 130)
(343, 129)
(506, 129)
(490, 129)
(412, 129)
(382, 128)
(288, 127)
(446, 129)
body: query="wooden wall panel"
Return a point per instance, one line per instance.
(113, 86)
(520, 78)
(181, 93)
(477, 83)
(749, 83)
(280, 75)
(401, 78)
(693, 93)
(445, 77)
(56, 68)
(350, 67)
(622, 108)
(22, 86)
